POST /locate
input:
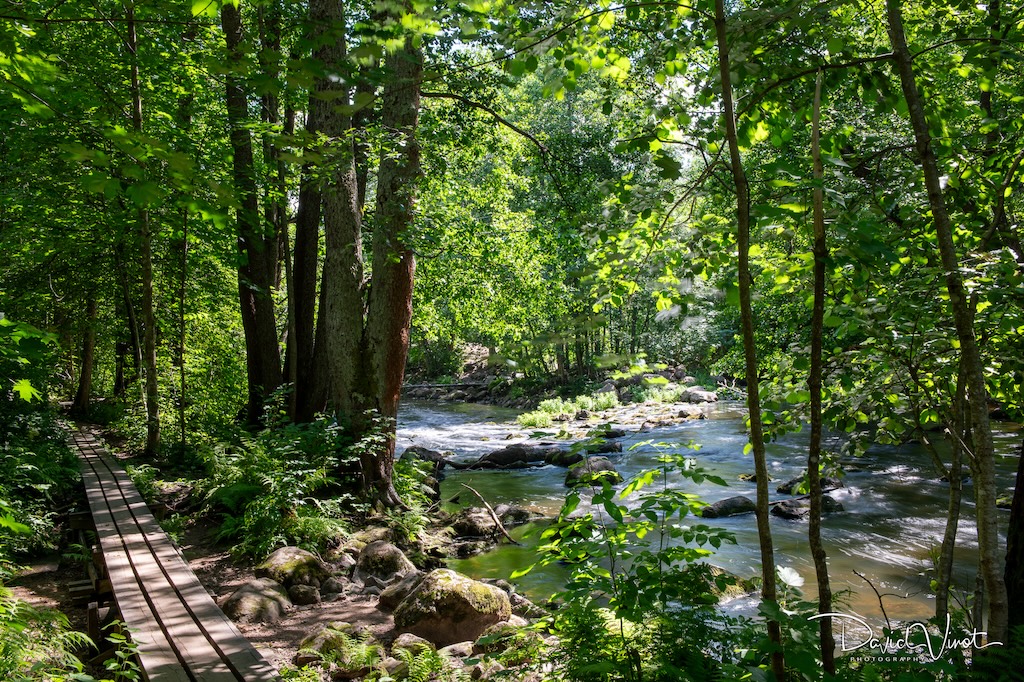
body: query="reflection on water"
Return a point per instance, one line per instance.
(894, 518)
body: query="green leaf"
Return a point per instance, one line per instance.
(205, 8)
(835, 45)
(26, 391)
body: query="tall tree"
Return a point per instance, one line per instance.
(983, 460)
(742, 190)
(257, 242)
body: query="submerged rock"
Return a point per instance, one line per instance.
(792, 484)
(730, 506)
(447, 608)
(799, 508)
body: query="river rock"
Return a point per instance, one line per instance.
(383, 561)
(730, 506)
(394, 593)
(799, 508)
(563, 458)
(591, 471)
(691, 412)
(607, 387)
(425, 454)
(341, 642)
(411, 643)
(607, 433)
(474, 522)
(790, 485)
(293, 566)
(304, 595)
(258, 601)
(332, 585)
(605, 448)
(699, 395)
(513, 515)
(519, 454)
(447, 607)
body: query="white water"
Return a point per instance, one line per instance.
(895, 504)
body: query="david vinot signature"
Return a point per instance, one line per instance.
(899, 642)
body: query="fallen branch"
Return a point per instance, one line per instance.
(494, 516)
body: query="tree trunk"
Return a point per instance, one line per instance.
(389, 311)
(146, 243)
(959, 435)
(764, 532)
(1015, 550)
(83, 396)
(828, 643)
(963, 318)
(257, 270)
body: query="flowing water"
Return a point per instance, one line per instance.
(894, 518)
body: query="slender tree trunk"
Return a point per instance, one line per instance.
(764, 531)
(257, 245)
(1015, 549)
(146, 243)
(963, 318)
(828, 643)
(132, 322)
(83, 396)
(959, 435)
(182, 329)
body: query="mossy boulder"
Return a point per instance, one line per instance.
(447, 607)
(382, 561)
(258, 601)
(592, 471)
(395, 593)
(293, 566)
(351, 650)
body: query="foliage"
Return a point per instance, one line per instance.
(559, 408)
(279, 487)
(638, 586)
(36, 643)
(425, 664)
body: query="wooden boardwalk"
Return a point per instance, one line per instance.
(180, 632)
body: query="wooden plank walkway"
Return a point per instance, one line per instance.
(180, 631)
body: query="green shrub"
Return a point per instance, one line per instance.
(36, 644)
(606, 400)
(626, 622)
(536, 420)
(272, 488)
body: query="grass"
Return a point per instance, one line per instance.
(548, 410)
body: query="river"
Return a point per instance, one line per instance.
(895, 505)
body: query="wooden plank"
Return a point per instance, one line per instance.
(184, 619)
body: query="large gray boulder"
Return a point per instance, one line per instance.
(395, 593)
(293, 566)
(591, 471)
(730, 506)
(258, 601)
(447, 607)
(383, 561)
(699, 395)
